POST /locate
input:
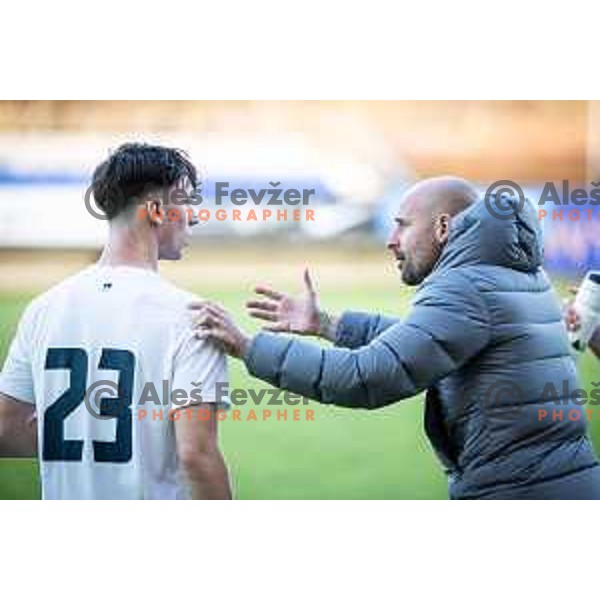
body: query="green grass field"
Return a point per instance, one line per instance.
(343, 454)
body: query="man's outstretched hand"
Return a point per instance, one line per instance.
(286, 313)
(212, 322)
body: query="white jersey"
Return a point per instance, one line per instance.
(107, 357)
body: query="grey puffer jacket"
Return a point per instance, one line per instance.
(485, 338)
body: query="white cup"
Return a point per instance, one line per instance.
(587, 306)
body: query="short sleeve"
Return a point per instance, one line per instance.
(199, 374)
(16, 379)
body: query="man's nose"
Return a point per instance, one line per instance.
(393, 242)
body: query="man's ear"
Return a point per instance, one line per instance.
(154, 211)
(442, 228)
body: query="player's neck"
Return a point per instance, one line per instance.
(126, 248)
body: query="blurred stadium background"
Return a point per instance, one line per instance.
(358, 156)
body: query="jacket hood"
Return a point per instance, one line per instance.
(512, 240)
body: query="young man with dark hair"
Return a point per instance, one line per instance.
(120, 326)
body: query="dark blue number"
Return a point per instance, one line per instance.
(118, 451)
(55, 446)
(75, 360)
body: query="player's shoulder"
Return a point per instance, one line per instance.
(174, 295)
(42, 302)
(169, 303)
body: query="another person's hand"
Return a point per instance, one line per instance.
(212, 322)
(573, 322)
(570, 315)
(286, 313)
(572, 318)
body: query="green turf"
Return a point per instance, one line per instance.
(342, 454)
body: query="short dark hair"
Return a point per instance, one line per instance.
(134, 170)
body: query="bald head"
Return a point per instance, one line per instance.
(423, 223)
(438, 195)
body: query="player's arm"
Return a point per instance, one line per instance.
(199, 454)
(18, 428)
(303, 316)
(198, 451)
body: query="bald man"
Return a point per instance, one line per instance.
(484, 338)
